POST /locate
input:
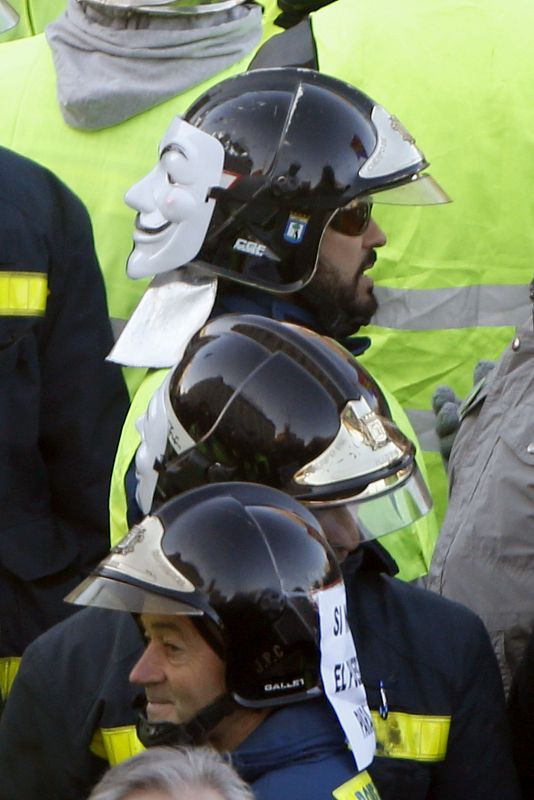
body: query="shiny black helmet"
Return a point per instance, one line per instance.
(259, 400)
(298, 146)
(246, 562)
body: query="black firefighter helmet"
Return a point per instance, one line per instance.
(245, 562)
(299, 145)
(258, 400)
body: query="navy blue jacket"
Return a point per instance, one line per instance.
(297, 752)
(521, 712)
(432, 656)
(61, 404)
(430, 671)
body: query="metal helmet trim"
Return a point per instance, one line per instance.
(164, 6)
(361, 447)
(8, 16)
(396, 150)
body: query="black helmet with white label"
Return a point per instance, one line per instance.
(299, 145)
(247, 563)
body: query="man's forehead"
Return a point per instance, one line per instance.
(165, 622)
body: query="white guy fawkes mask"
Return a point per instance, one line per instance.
(172, 204)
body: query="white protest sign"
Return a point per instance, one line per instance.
(341, 677)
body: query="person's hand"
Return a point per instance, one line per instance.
(446, 406)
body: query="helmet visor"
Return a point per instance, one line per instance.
(104, 592)
(369, 517)
(136, 577)
(8, 16)
(420, 190)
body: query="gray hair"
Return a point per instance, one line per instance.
(172, 770)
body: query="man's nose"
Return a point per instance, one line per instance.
(148, 669)
(374, 236)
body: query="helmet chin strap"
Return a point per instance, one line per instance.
(194, 732)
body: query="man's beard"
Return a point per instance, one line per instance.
(339, 311)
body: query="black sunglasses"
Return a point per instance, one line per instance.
(352, 220)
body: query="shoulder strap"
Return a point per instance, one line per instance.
(293, 48)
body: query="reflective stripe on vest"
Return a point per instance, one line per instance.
(361, 787)
(116, 744)
(412, 736)
(452, 276)
(23, 294)
(8, 670)
(430, 309)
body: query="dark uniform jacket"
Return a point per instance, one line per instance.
(521, 712)
(433, 686)
(61, 404)
(442, 734)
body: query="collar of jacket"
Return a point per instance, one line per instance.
(369, 557)
(289, 735)
(253, 301)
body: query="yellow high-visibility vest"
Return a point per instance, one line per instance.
(99, 166)
(34, 16)
(451, 280)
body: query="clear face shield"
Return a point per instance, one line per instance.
(8, 16)
(395, 152)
